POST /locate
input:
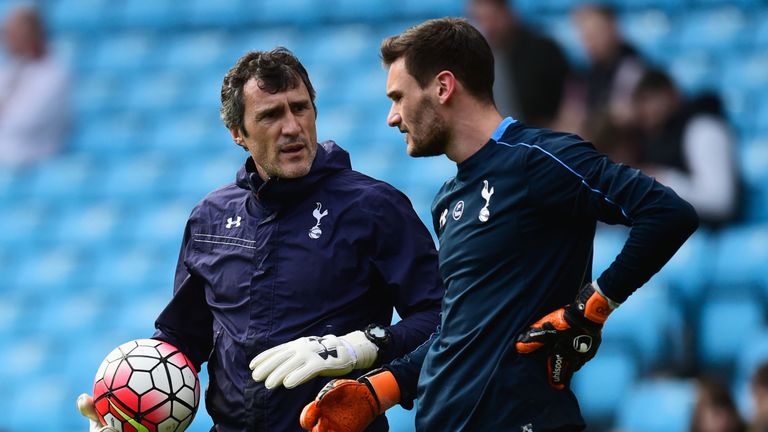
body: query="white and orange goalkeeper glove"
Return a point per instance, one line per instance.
(298, 361)
(345, 405)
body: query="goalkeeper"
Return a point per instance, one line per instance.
(516, 225)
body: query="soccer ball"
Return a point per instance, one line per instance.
(146, 385)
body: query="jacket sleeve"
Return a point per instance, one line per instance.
(406, 370)
(406, 259)
(573, 180)
(187, 322)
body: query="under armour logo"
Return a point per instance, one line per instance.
(526, 428)
(325, 353)
(486, 194)
(315, 232)
(235, 223)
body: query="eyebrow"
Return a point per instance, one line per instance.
(394, 93)
(268, 111)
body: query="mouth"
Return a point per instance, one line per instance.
(293, 148)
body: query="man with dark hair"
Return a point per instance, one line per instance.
(516, 226)
(531, 70)
(293, 270)
(688, 146)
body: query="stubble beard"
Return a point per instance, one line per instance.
(434, 128)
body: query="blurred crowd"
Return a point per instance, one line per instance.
(630, 110)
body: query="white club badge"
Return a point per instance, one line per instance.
(315, 232)
(458, 210)
(486, 194)
(443, 218)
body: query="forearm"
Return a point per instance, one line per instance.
(406, 370)
(656, 234)
(410, 332)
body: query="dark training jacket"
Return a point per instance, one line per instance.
(264, 263)
(516, 228)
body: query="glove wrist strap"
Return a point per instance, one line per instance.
(383, 385)
(363, 351)
(593, 304)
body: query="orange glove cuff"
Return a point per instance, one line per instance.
(386, 388)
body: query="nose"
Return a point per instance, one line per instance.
(291, 126)
(393, 118)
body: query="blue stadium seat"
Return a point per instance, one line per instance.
(694, 71)
(745, 71)
(123, 52)
(294, 12)
(196, 51)
(221, 13)
(753, 158)
(159, 93)
(650, 31)
(110, 136)
(687, 273)
(86, 16)
(649, 322)
(605, 381)
(752, 355)
(401, 420)
(96, 93)
(740, 256)
(371, 11)
(155, 14)
(721, 30)
(64, 177)
(726, 324)
(87, 225)
(139, 177)
(657, 406)
(185, 131)
(609, 240)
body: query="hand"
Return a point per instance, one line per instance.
(87, 409)
(571, 335)
(298, 361)
(350, 406)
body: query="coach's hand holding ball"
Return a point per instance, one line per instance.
(571, 335)
(88, 410)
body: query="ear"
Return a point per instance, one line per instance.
(237, 136)
(446, 85)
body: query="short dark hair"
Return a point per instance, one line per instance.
(653, 81)
(276, 71)
(444, 44)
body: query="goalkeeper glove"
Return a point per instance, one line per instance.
(346, 405)
(88, 410)
(298, 361)
(570, 335)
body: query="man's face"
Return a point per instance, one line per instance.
(599, 35)
(414, 113)
(282, 136)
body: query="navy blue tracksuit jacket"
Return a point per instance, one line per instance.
(263, 263)
(516, 227)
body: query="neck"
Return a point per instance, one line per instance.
(472, 129)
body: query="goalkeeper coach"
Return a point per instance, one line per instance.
(516, 226)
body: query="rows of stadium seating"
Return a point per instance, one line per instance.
(89, 239)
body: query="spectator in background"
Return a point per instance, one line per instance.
(614, 70)
(759, 387)
(688, 146)
(530, 69)
(715, 410)
(34, 93)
